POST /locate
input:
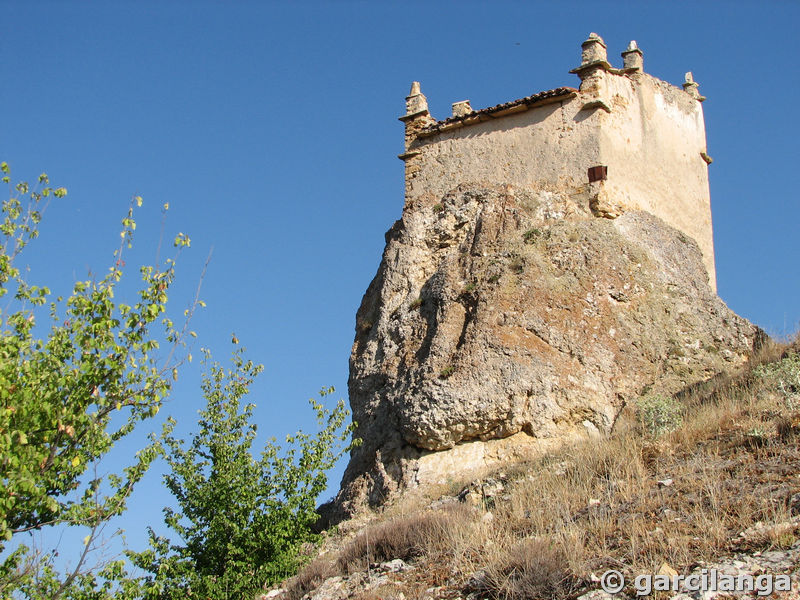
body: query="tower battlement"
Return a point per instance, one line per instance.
(622, 140)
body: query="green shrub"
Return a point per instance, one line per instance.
(783, 377)
(529, 237)
(437, 208)
(447, 371)
(242, 520)
(659, 414)
(415, 304)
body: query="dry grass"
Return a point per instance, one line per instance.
(384, 593)
(406, 538)
(533, 568)
(632, 501)
(310, 577)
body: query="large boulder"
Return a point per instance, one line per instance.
(504, 320)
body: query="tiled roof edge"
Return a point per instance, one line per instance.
(481, 115)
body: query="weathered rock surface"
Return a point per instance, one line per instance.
(504, 320)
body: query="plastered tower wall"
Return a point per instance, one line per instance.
(653, 141)
(623, 140)
(536, 146)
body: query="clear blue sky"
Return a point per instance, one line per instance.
(271, 129)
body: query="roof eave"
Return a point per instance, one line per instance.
(500, 110)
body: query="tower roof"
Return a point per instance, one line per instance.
(499, 110)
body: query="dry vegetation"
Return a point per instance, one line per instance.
(632, 502)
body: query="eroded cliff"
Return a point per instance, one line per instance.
(504, 320)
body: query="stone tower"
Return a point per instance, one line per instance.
(622, 141)
(553, 262)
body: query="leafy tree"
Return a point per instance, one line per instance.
(243, 520)
(76, 376)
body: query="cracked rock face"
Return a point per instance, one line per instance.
(503, 318)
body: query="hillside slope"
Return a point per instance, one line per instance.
(707, 479)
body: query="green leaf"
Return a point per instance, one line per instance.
(59, 383)
(239, 513)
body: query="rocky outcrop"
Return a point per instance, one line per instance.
(503, 320)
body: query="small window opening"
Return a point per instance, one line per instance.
(598, 173)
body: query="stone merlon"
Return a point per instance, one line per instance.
(632, 58)
(692, 88)
(416, 102)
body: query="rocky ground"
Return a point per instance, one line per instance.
(717, 487)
